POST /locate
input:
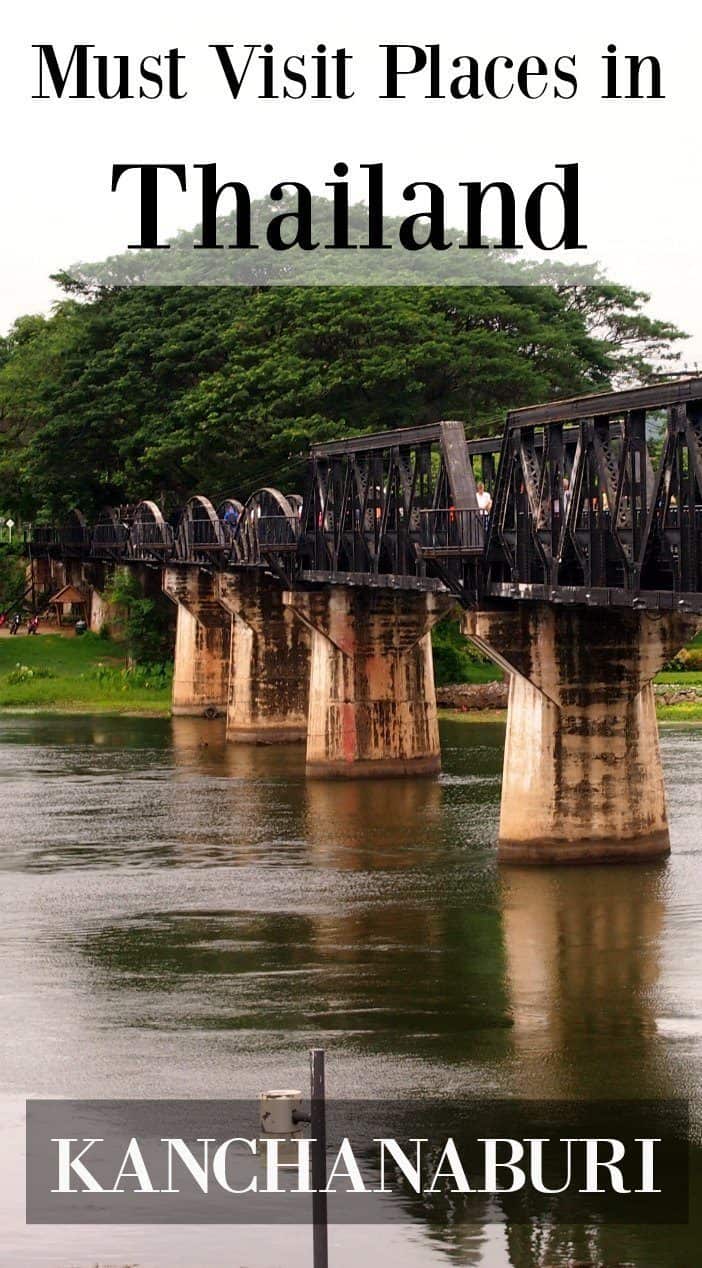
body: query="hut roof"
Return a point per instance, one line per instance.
(69, 594)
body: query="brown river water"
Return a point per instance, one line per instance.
(185, 918)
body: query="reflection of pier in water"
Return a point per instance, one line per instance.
(582, 950)
(414, 948)
(583, 962)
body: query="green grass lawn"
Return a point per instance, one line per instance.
(476, 672)
(685, 711)
(681, 677)
(85, 674)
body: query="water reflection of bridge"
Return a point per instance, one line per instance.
(368, 923)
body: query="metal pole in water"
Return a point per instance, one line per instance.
(318, 1132)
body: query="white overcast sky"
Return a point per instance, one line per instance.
(640, 172)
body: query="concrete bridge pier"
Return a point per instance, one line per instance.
(202, 647)
(372, 705)
(582, 779)
(96, 579)
(269, 664)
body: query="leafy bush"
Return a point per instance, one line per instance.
(11, 575)
(147, 624)
(23, 673)
(148, 677)
(155, 677)
(457, 660)
(689, 660)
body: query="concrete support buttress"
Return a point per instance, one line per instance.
(582, 779)
(372, 699)
(201, 669)
(270, 661)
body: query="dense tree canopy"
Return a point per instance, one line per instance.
(129, 392)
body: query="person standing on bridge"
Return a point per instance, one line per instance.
(484, 499)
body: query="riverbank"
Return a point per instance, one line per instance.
(61, 673)
(69, 674)
(678, 699)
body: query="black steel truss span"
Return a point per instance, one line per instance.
(595, 500)
(599, 499)
(400, 505)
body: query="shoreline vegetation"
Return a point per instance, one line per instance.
(62, 673)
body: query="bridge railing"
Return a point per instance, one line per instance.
(74, 542)
(201, 533)
(280, 531)
(151, 539)
(109, 540)
(446, 530)
(42, 537)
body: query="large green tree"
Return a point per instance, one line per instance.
(130, 392)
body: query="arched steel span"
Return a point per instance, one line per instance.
(201, 535)
(263, 532)
(150, 535)
(269, 528)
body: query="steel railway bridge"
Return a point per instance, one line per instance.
(596, 500)
(311, 613)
